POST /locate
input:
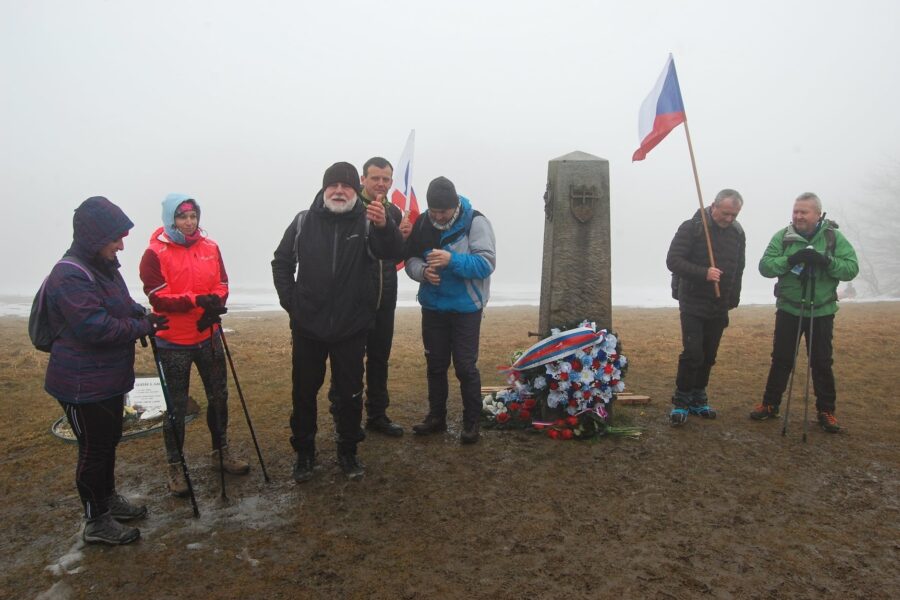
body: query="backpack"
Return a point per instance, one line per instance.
(39, 330)
(676, 278)
(830, 241)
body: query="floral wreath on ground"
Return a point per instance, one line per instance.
(564, 385)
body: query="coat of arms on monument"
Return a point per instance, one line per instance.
(582, 199)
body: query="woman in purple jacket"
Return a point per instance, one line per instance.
(91, 365)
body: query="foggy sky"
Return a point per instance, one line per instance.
(243, 105)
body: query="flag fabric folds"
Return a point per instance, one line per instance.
(402, 194)
(661, 112)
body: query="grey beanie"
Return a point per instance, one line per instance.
(442, 194)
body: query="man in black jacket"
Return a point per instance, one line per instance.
(331, 302)
(704, 316)
(376, 180)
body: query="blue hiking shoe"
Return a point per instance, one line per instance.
(678, 416)
(702, 410)
(699, 405)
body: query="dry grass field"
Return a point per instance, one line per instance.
(720, 509)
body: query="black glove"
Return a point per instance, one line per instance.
(818, 259)
(157, 323)
(211, 316)
(208, 301)
(808, 256)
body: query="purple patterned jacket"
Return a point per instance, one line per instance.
(93, 358)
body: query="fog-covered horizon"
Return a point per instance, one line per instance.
(244, 106)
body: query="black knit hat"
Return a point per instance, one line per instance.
(342, 172)
(442, 194)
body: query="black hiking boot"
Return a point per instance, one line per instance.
(430, 425)
(763, 412)
(351, 465)
(828, 421)
(304, 467)
(106, 530)
(123, 510)
(384, 425)
(470, 434)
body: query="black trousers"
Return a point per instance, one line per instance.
(378, 353)
(98, 429)
(446, 337)
(210, 361)
(309, 357)
(700, 339)
(820, 358)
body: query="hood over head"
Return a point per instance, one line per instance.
(96, 223)
(169, 206)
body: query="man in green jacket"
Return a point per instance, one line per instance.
(810, 258)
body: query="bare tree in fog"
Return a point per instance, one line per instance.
(868, 222)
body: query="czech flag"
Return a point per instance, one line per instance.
(661, 112)
(402, 194)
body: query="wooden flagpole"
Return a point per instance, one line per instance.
(709, 249)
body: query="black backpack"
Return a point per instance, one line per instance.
(42, 336)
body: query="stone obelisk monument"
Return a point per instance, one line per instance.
(576, 280)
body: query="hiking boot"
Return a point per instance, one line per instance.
(828, 421)
(702, 410)
(430, 425)
(123, 510)
(384, 425)
(470, 434)
(304, 467)
(678, 416)
(231, 463)
(106, 530)
(178, 486)
(699, 404)
(351, 465)
(763, 412)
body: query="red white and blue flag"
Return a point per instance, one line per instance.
(402, 194)
(557, 346)
(661, 112)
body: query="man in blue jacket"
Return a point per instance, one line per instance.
(451, 253)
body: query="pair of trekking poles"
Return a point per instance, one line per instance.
(170, 415)
(807, 277)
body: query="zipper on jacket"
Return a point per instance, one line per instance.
(334, 249)
(380, 283)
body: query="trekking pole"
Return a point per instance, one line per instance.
(787, 405)
(809, 351)
(237, 384)
(170, 415)
(212, 350)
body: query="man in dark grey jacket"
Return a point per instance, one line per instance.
(704, 316)
(331, 302)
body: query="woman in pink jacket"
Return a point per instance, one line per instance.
(184, 278)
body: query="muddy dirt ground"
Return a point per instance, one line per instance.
(720, 509)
